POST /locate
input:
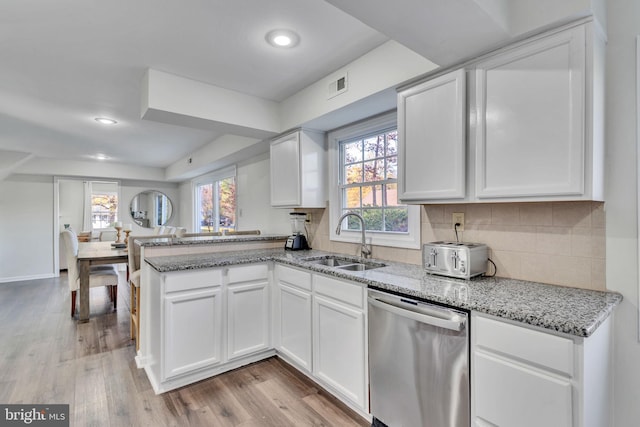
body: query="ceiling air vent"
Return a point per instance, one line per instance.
(338, 86)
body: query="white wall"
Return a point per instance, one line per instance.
(254, 199)
(26, 227)
(27, 235)
(27, 221)
(372, 73)
(621, 201)
(70, 201)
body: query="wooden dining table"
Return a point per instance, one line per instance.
(94, 253)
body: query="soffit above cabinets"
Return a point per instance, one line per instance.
(449, 32)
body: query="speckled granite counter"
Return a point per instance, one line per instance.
(208, 240)
(569, 310)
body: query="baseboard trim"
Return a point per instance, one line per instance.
(25, 278)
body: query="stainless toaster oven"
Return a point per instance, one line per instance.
(455, 259)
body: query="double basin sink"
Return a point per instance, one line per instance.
(344, 263)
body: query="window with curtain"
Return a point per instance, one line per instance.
(215, 201)
(101, 204)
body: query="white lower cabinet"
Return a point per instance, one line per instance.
(207, 321)
(185, 350)
(525, 376)
(293, 315)
(339, 338)
(339, 347)
(322, 330)
(192, 322)
(510, 394)
(248, 310)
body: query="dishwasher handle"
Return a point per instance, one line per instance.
(442, 318)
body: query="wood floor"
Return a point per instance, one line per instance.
(46, 357)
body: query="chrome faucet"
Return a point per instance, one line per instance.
(365, 249)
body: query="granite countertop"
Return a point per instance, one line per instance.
(568, 310)
(207, 240)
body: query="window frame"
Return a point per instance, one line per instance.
(409, 240)
(115, 192)
(212, 178)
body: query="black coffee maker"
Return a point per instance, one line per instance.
(298, 240)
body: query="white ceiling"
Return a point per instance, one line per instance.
(65, 62)
(68, 61)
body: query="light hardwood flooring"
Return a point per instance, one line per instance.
(47, 357)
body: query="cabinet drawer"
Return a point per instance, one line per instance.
(248, 273)
(185, 280)
(546, 350)
(294, 277)
(511, 395)
(351, 293)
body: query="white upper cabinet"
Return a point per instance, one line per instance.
(534, 129)
(533, 134)
(298, 170)
(432, 139)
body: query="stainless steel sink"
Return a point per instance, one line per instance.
(344, 263)
(358, 267)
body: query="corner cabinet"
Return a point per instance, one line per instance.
(432, 139)
(545, 379)
(531, 127)
(298, 170)
(205, 322)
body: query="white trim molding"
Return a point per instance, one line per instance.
(638, 168)
(410, 240)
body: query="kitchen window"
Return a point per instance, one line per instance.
(215, 201)
(364, 159)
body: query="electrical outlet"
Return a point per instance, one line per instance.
(458, 218)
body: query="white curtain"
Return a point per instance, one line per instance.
(86, 214)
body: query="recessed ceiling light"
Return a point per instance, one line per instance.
(101, 156)
(282, 38)
(105, 121)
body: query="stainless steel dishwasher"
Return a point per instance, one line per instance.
(418, 363)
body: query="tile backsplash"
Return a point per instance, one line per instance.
(561, 243)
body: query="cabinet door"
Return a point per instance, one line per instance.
(339, 348)
(295, 325)
(432, 139)
(285, 171)
(192, 331)
(510, 394)
(531, 119)
(248, 319)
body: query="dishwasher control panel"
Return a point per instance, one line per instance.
(455, 259)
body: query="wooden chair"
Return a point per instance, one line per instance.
(134, 263)
(103, 275)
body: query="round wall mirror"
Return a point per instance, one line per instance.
(150, 209)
